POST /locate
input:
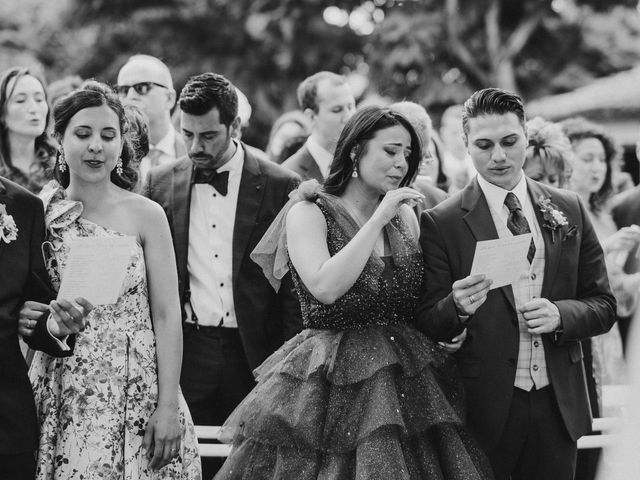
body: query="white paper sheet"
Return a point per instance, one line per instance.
(502, 260)
(96, 268)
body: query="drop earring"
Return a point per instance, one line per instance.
(62, 165)
(119, 167)
(353, 155)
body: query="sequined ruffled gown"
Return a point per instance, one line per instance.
(359, 393)
(93, 407)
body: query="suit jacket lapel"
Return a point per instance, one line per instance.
(252, 187)
(181, 203)
(480, 222)
(552, 248)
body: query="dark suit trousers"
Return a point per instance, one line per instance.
(21, 466)
(535, 444)
(215, 378)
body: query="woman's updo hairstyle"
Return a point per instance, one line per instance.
(94, 94)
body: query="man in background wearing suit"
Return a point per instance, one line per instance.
(327, 100)
(220, 200)
(23, 278)
(521, 363)
(145, 81)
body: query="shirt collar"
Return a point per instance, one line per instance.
(235, 164)
(322, 157)
(167, 144)
(495, 195)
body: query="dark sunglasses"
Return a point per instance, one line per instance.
(141, 88)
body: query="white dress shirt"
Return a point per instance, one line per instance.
(531, 366)
(210, 256)
(163, 152)
(322, 157)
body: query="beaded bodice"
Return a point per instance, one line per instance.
(385, 293)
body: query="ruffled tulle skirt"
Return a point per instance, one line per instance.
(380, 403)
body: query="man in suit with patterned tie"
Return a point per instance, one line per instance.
(145, 81)
(521, 363)
(326, 98)
(220, 200)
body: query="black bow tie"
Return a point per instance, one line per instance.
(218, 180)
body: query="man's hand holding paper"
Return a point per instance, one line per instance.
(502, 260)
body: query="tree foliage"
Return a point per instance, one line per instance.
(432, 51)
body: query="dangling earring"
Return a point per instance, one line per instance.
(119, 167)
(62, 165)
(353, 156)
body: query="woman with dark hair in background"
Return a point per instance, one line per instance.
(27, 151)
(359, 393)
(594, 151)
(114, 408)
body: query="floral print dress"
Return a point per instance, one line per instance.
(93, 406)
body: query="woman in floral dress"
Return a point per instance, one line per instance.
(113, 409)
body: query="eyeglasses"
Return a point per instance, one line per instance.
(141, 88)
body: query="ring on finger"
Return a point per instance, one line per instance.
(471, 299)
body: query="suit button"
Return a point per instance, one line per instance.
(535, 368)
(511, 362)
(533, 276)
(536, 343)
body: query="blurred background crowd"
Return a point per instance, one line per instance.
(575, 62)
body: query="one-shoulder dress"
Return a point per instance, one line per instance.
(93, 407)
(359, 393)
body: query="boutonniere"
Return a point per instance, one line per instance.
(555, 219)
(8, 229)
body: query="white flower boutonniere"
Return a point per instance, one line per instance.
(8, 229)
(555, 219)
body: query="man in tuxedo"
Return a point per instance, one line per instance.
(220, 200)
(326, 99)
(521, 363)
(23, 278)
(145, 81)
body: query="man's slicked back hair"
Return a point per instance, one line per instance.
(492, 101)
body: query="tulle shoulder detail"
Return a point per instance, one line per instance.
(59, 212)
(271, 252)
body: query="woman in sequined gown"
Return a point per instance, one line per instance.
(359, 393)
(112, 410)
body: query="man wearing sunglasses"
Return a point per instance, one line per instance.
(145, 81)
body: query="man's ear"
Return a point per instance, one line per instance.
(171, 98)
(235, 128)
(311, 115)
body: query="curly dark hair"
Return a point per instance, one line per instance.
(355, 137)
(95, 94)
(579, 128)
(210, 90)
(45, 147)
